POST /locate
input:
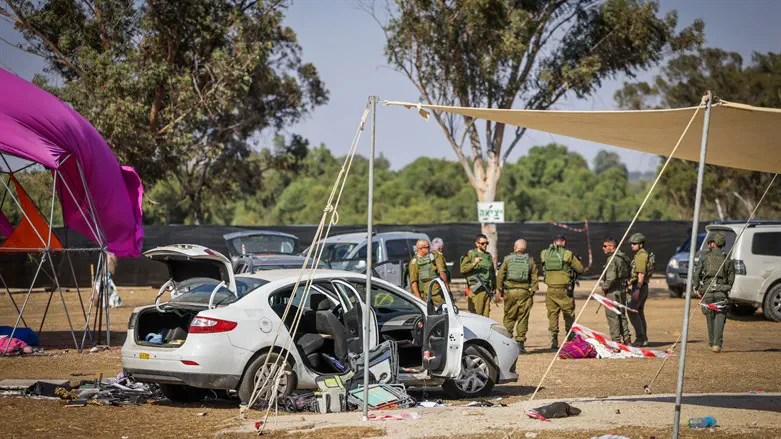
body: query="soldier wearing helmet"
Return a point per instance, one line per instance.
(642, 265)
(713, 276)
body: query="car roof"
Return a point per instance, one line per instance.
(294, 273)
(359, 237)
(738, 226)
(245, 233)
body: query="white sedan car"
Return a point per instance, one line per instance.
(218, 330)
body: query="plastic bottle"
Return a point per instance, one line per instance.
(702, 422)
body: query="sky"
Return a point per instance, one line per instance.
(346, 45)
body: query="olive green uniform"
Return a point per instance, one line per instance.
(557, 277)
(715, 286)
(478, 273)
(517, 283)
(423, 270)
(614, 287)
(639, 296)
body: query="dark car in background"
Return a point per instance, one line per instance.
(678, 266)
(254, 250)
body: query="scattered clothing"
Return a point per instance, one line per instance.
(27, 335)
(14, 346)
(555, 410)
(576, 349)
(154, 338)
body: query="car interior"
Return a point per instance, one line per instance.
(326, 331)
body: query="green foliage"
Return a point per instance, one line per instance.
(681, 83)
(179, 88)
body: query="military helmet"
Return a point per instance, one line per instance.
(637, 238)
(719, 239)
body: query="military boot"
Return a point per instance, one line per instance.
(554, 341)
(521, 349)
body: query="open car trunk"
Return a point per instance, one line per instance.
(167, 329)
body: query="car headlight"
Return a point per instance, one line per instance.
(673, 264)
(501, 330)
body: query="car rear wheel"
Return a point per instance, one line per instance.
(772, 304)
(478, 375)
(183, 393)
(262, 372)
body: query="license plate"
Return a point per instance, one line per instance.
(143, 356)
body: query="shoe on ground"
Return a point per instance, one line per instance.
(521, 349)
(716, 349)
(554, 345)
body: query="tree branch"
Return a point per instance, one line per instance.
(19, 20)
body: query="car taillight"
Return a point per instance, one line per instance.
(207, 325)
(740, 267)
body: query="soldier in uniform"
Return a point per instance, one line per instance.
(614, 287)
(713, 276)
(558, 263)
(639, 289)
(423, 269)
(438, 250)
(516, 284)
(478, 267)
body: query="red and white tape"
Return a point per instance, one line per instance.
(602, 338)
(718, 306)
(611, 304)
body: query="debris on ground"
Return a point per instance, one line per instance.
(610, 436)
(432, 404)
(110, 391)
(551, 411)
(485, 403)
(403, 416)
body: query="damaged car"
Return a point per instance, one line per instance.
(255, 250)
(219, 330)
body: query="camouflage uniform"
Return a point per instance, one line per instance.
(639, 293)
(557, 299)
(614, 287)
(715, 286)
(479, 300)
(423, 270)
(516, 283)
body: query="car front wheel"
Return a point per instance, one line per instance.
(478, 375)
(772, 304)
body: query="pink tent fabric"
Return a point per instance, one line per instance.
(36, 126)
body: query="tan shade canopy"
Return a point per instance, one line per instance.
(740, 136)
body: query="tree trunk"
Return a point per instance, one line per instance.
(487, 193)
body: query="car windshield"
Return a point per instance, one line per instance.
(684, 248)
(200, 291)
(337, 250)
(259, 244)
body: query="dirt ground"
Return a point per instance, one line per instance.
(752, 351)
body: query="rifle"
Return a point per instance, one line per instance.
(574, 277)
(487, 290)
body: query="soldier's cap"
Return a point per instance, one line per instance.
(718, 239)
(637, 238)
(559, 238)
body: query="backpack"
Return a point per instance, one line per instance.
(714, 261)
(649, 269)
(624, 264)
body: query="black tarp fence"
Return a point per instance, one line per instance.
(663, 239)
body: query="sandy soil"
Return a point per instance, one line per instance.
(749, 363)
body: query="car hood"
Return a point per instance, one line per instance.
(478, 325)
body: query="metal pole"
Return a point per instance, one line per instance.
(367, 302)
(690, 271)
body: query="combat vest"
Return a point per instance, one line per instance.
(554, 259)
(518, 267)
(427, 272)
(649, 265)
(482, 269)
(624, 264)
(712, 260)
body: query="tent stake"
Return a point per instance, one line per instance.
(690, 271)
(367, 309)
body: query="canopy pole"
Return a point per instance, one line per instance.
(690, 271)
(367, 301)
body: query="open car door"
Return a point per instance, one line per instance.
(443, 336)
(353, 306)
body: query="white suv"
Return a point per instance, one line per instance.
(757, 257)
